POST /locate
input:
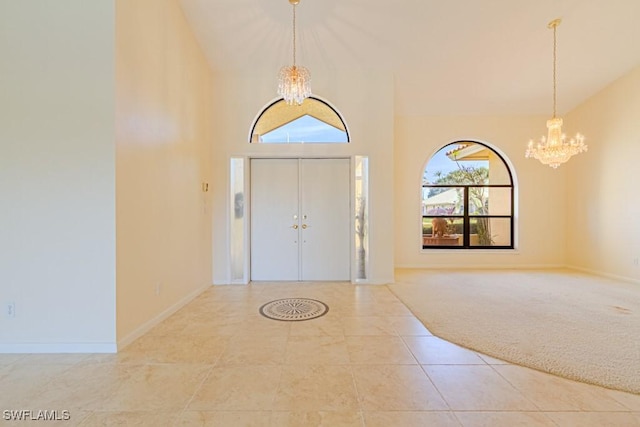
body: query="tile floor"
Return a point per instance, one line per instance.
(367, 362)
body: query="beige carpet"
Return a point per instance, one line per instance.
(574, 325)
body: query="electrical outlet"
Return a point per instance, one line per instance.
(10, 310)
(158, 288)
(636, 262)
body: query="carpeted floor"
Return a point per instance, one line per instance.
(574, 325)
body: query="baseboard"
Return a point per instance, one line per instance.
(97, 347)
(366, 282)
(147, 326)
(356, 282)
(229, 283)
(482, 266)
(375, 282)
(604, 274)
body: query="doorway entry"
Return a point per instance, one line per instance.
(300, 220)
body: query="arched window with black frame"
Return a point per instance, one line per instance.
(467, 199)
(315, 121)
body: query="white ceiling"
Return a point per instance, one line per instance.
(448, 57)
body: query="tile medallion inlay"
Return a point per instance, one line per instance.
(294, 309)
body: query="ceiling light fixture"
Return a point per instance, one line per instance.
(294, 81)
(555, 149)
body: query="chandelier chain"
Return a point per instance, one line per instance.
(555, 60)
(294, 35)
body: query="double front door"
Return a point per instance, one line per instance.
(300, 222)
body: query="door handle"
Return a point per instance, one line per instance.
(304, 226)
(295, 226)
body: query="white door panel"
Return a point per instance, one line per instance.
(325, 225)
(300, 219)
(274, 204)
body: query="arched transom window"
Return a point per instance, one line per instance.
(467, 199)
(315, 121)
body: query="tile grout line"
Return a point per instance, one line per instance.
(340, 320)
(201, 384)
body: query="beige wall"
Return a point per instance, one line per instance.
(364, 98)
(603, 199)
(57, 176)
(162, 157)
(540, 192)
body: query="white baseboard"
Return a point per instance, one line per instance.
(605, 274)
(375, 282)
(147, 326)
(97, 347)
(230, 284)
(369, 282)
(356, 282)
(458, 267)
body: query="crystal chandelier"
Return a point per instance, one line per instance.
(555, 149)
(293, 81)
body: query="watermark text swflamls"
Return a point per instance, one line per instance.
(35, 415)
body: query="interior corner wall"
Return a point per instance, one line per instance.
(57, 176)
(603, 200)
(365, 100)
(163, 126)
(540, 192)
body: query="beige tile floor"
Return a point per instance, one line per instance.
(368, 362)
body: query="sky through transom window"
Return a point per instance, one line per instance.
(314, 121)
(305, 129)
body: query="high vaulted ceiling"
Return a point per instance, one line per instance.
(448, 57)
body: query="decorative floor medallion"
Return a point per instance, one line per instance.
(294, 309)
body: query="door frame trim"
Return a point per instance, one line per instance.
(238, 241)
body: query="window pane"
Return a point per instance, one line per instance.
(237, 219)
(303, 130)
(489, 201)
(467, 163)
(490, 232)
(312, 122)
(459, 163)
(362, 216)
(442, 201)
(498, 172)
(442, 231)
